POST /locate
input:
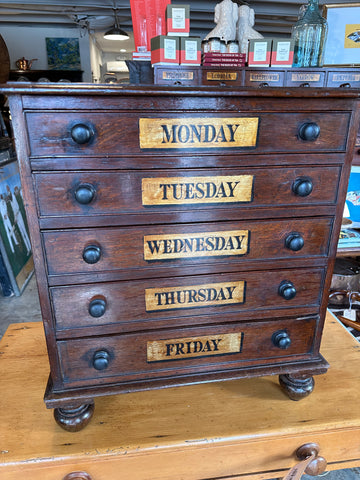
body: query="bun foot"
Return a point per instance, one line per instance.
(296, 386)
(74, 418)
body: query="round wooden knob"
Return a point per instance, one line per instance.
(318, 465)
(309, 131)
(92, 254)
(287, 290)
(85, 193)
(97, 307)
(77, 476)
(302, 186)
(81, 133)
(101, 360)
(281, 339)
(294, 241)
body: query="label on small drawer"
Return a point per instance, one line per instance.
(264, 77)
(305, 77)
(212, 132)
(207, 244)
(197, 190)
(194, 296)
(218, 76)
(192, 347)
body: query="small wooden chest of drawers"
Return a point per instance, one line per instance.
(181, 235)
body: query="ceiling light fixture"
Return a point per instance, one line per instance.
(116, 33)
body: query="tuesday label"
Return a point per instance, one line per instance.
(210, 132)
(197, 190)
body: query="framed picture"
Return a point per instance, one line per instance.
(342, 46)
(15, 247)
(63, 53)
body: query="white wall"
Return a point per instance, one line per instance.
(29, 42)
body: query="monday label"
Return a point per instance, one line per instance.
(193, 347)
(187, 133)
(206, 295)
(207, 244)
(197, 190)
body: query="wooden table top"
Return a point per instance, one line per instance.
(246, 427)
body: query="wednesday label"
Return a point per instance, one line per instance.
(207, 244)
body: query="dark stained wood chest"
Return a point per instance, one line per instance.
(181, 235)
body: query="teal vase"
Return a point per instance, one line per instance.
(309, 35)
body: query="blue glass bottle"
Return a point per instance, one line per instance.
(309, 35)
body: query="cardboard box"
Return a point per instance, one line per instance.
(178, 20)
(190, 51)
(282, 52)
(259, 52)
(165, 50)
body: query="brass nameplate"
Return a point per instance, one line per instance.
(221, 76)
(197, 190)
(346, 77)
(192, 347)
(207, 295)
(264, 77)
(187, 245)
(305, 77)
(212, 132)
(177, 75)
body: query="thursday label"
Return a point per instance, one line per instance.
(212, 132)
(206, 295)
(197, 190)
(192, 347)
(207, 244)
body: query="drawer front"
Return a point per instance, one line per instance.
(137, 305)
(147, 192)
(132, 248)
(306, 78)
(176, 352)
(119, 133)
(258, 77)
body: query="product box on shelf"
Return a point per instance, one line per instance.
(259, 52)
(282, 52)
(190, 51)
(165, 50)
(178, 20)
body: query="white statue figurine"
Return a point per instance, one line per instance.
(226, 16)
(245, 30)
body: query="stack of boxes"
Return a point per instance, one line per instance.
(176, 47)
(214, 59)
(274, 52)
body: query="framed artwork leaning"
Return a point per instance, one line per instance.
(342, 46)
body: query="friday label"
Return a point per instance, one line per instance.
(190, 347)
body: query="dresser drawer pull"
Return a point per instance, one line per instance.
(101, 360)
(85, 193)
(287, 290)
(77, 476)
(318, 465)
(281, 339)
(345, 85)
(81, 133)
(302, 186)
(91, 254)
(97, 307)
(309, 131)
(294, 241)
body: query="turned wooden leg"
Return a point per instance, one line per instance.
(297, 386)
(74, 418)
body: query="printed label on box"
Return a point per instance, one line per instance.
(283, 51)
(178, 18)
(260, 51)
(191, 50)
(170, 48)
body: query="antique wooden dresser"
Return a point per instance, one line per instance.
(181, 235)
